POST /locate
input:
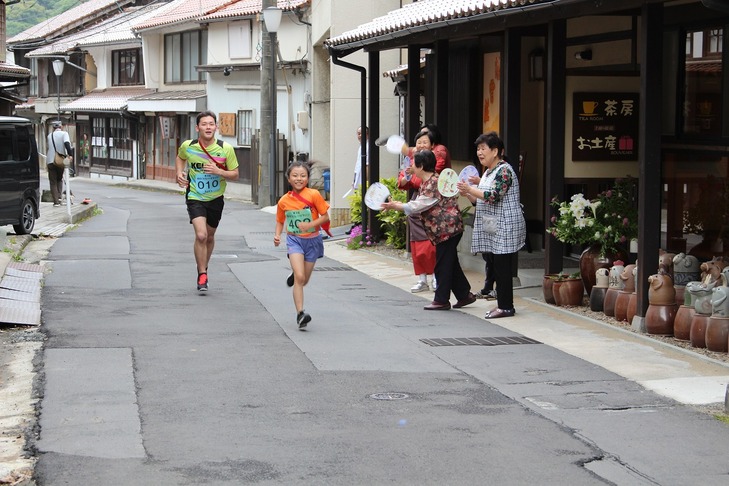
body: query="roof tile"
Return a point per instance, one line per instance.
(57, 25)
(181, 11)
(251, 7)
(422, 13)
(111, 99)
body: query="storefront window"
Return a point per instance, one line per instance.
(702, 108)
(696, 203)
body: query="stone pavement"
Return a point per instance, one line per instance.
(21, 283)
(671, 371)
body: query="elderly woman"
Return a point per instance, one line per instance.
(444, 226)
(499, 225)
(421, 249)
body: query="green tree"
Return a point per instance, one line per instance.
(27, 13)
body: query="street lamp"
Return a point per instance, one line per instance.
(272, 20)
(58, 66)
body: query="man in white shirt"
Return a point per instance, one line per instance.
(358, 164)
(58, 142)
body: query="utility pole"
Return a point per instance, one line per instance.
(266, 189)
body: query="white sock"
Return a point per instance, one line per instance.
(423, 278)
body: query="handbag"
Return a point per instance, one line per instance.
(59, 160)
(490, 224)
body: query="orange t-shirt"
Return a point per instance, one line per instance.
(289, 202)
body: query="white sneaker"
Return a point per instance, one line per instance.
(434, 284)
(419, 287)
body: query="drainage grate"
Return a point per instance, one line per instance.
(333, 269)
(479, 341)
(389, 396)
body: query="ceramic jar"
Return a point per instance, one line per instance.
(616, 284)
(662, 308)
(597, 295)
(623, 298)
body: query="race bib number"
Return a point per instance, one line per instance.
(207, 183)
(294, 217)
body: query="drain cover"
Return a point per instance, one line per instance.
(479, 341)
(389, 396)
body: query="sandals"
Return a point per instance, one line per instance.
(497, 313)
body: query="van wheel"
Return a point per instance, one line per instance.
(27, 219)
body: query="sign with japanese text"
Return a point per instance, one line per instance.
(605, 126)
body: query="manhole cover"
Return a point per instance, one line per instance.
(389, 396)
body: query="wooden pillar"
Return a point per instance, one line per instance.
(511, 103)
(649, 152)
(374, 126)
(412, 109)
(554, 135)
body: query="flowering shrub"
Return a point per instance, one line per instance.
(610, 220)
(393, 226)
(357, 240)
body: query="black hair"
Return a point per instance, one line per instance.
(434, 131)
(425, 159)
(423, 133)
(492, 141)
(299, 163)
(203, 114)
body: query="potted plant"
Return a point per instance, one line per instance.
(603, 226)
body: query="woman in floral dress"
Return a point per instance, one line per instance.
(443, 224)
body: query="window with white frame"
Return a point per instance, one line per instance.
(184, 51)
(245, 127)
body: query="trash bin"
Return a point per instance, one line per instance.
(326, 174)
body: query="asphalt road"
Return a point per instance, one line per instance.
(145, 381)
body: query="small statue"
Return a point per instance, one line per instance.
(719, 301)
(665, 263)
(661, 291)
(686, 268)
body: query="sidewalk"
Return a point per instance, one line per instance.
(671, 371)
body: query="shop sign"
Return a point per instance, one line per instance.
(605, 127)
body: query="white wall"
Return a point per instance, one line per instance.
(241, 90)
(344, 91)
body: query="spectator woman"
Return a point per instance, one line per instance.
(443, 224)
(499, 225)
(421, 249)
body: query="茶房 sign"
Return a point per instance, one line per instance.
(605, 126)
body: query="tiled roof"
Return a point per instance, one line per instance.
(401, 69)
(111, 99)
(192, 94)
(182, 11)
(114, 30)
(13, 70)
(251, 7)
(63, 22)
(704, 67)
(424, 13)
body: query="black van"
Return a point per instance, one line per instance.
(19, 175)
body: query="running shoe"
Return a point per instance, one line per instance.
(290, 280)
(302, 319)
(202, 282)
(419, 287)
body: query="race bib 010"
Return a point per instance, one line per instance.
(207, 183)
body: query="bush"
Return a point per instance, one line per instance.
(393, 222)
(394, 225)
